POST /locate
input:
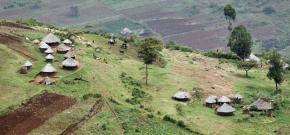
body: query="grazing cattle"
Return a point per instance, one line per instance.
(124, 46)
(112, 42)
(122, 51)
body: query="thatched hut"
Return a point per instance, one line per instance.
(51, 39)
(223, 100)
(264, 96)
(253, 57)
(43, 47)
(125, 31)
(69, 54)
(261, 105)
(70, 63)
(238, 98)
(225, 110)
(181, 95)
(48, 51)
(36, 41)
(23, 70)
(48, 69)
(211, 101)
(49, 58)
(62, 48)
(47, 81)
(67, 42)
(28, 65)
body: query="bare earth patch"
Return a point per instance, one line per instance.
(34, 113)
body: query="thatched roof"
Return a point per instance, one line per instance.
(69, 54)
(46, 81)
(262, 95)
(238, 96)
(211, 99)
(36, 41)
(62, 47)
(67, 41)
(285, 65)
(225, 108)
(49, 56)
(48, 68)
(181, 94)
(125, 31)
(261, 104)
(48, 50)
(70, 62)
(23, 70)
(224, 99)
(27, 64)
(253, 57)
(50, 38)
(44, 46)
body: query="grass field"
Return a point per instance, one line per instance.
(191, 71)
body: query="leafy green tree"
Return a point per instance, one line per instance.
(230, 14)
(275, 68)
(240, 42)
(247, 65)
(148, 51)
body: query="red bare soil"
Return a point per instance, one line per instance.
(98, 106)
(34, 113)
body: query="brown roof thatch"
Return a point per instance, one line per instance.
(62, 47)
(48, 50)
(238, 96)
(224, 99)
(44, 46)
(69, 54)
(211, 99)
(47, 81)
(67, 41)
(48, 68)
(70, 62)
(23, 70)
(225, 108)
(261, 104)
(49, 56)
(27, 64)
(50, 38)
(181, 94)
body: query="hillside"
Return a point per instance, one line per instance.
(198, 24)
(112, 97)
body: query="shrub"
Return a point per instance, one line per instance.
(167, 118)
(104, 127)
(150, 116)
(225, 55)
(181, 124)
(269, 10)
(186, 49)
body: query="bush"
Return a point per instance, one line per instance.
(104, 127)
(186, 49)
(167, 118)
(269, 10)
(181, 124)
(225, 55)
(150, 116)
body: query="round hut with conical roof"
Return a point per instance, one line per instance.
(238, 98)
(261, 105)
(67, 42)
(43, 47)
(48, 51)
(181, 95)
(48, 68)
(69, 54)
(224, 99)
(28, 65)
(47, 81)
(51, 39)
(225, 110)
(23, 70)
(211, 101)
(36, 41)
(70, 63)
(49, 58)
(62, 49)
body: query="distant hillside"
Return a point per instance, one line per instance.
(195, 23)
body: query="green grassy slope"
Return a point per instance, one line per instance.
(163, 83)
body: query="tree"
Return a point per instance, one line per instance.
(74, 11)
(275, 68)
(230, 14)
(247, 65)
(148, 51)
(240, 42)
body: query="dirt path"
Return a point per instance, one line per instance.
(34, 113)
(98, 106)
(116, 115)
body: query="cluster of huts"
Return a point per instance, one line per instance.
(48, 45)
(223, 104)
